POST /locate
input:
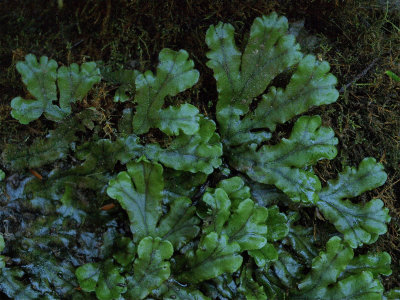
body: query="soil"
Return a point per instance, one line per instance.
(360, 39)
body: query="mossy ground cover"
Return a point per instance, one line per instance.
(360, 39)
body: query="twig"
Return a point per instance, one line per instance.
(365, 71)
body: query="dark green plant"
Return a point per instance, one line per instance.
(40, 78)
(191, 227)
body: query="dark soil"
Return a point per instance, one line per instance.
(360, 39)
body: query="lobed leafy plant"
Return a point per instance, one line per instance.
(213, 210)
